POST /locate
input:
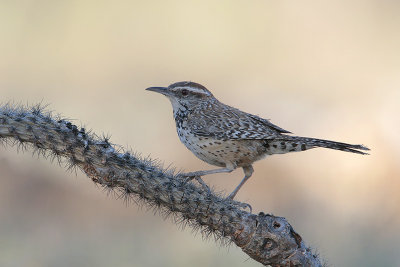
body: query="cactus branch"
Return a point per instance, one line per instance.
(267, 239)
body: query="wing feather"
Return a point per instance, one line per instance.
(224, 122)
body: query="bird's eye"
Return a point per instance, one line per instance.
(185, 92)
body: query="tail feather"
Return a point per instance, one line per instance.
(309, 143)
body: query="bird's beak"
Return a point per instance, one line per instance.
(161, 90)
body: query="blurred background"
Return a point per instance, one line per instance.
(327, 69)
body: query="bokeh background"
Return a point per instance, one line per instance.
(328, 69)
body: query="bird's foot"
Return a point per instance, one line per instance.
(187, 176)
(195, 175)
(191, 175)
(243, 205)
(238, 203)
(203, 184)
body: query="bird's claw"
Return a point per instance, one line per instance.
(243, 205)
(190, 176)
(203, 184)
(186, 177)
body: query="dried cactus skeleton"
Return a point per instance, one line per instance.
(267, 239)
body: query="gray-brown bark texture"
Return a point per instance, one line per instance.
(267, 239)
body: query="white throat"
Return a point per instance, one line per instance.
(176, 106)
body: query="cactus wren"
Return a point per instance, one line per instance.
(229, 138)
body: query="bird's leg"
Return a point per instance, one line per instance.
(202, 173)
(248, 171)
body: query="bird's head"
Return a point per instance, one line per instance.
(184, 95)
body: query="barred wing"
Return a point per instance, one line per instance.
(223, 122)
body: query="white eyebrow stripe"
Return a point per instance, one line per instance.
(197, 90)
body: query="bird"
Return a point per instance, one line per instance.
(229, 138)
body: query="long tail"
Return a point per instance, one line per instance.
(297, 143)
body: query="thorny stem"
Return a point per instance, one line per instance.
(267, 239)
